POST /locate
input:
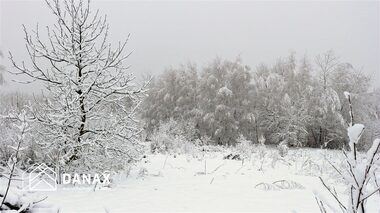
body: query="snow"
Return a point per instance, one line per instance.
(346, 94)
(287, 100)
(18, 197)
(204, 181)
(374, 148)
(224, 91)
(354, 132)
(181, 185)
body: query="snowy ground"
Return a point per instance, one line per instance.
(207, 182)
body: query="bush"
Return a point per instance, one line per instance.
(283, 149)
(161, 142)
(244, 147)
(169, 138)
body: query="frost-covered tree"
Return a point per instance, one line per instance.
(293, 102)
(364, 102)
(368, 113)
(329, 124)
(88, 110)
(292, 123)
(327, 63)
(335, 77)
(224, 101)
(268, 87)
(172, 95)
(225, 126)
(281, 101)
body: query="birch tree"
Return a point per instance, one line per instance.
(224, 101)
(172, 95)
(328, 105)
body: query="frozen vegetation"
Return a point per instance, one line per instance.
(201, 179)
(301, 135)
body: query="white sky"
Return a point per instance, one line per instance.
(165, 33)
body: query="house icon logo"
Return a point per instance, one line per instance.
(39, 177)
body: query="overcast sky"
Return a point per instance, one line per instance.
(175, 32)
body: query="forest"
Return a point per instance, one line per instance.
(302, 116)
(294, 102)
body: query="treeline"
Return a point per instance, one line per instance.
(297, 102)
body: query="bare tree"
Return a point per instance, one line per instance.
(327, 63)
(91, 100)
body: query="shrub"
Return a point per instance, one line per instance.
(283, 149)
(244, 147)
(169, 138)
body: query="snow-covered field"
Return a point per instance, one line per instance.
(207, 182)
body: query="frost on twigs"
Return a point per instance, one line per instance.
(88, 112)
(346, 94)
(358, 173)
(11, 197)
(374, 149)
